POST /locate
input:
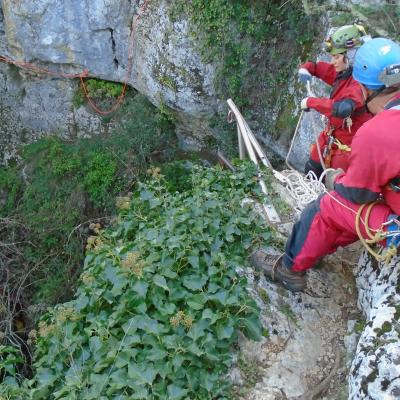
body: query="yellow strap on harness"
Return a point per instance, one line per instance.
(341, 146)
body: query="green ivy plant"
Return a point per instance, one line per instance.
(9, 358)
(61, 185)
(97, 89)
(160, 301)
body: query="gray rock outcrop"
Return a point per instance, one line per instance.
(71, 36)
(375, 370)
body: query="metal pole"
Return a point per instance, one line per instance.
(242, 149)
(250, 141)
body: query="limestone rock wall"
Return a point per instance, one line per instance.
(69, 36)
(375, 370)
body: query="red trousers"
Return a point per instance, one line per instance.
(325, 225)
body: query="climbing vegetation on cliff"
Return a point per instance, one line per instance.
(235, 32)
(47, 203)
(256, 46)
(160, 300)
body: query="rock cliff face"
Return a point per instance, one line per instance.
(375, 371)
(70, 36)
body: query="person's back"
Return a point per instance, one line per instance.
(374, 165)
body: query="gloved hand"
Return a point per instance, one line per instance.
(330, 177)
(304, 76)
(303, 104)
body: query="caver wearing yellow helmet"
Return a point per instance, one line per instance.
(344, 110)
(345, 38)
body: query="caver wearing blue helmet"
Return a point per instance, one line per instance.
(377, 64)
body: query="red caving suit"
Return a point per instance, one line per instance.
(374, 164)
(343, 87)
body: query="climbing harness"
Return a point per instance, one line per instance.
(85, 72)
(374, 235)
(379, 235)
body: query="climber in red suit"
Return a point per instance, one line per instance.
(373, 174)
(345, 109)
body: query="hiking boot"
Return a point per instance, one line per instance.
(271, 266)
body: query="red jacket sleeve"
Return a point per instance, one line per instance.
(324, 105)
(321, 70)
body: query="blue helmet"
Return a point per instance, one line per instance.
(371, 60)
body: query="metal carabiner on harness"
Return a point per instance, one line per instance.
(328, 147)
(395, 184)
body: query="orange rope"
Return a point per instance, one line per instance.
(33, 68)
(85, 72)
(121, 97)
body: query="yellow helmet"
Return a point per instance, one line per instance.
(344, 38)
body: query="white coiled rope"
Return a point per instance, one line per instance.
(304, 189)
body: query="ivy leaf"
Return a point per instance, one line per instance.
(209, 314)
(176, 392)
(151, 234)
(207, 381)
(196, 331)
(132, 339)
(221, 296)
(81, 302)
(118, 378)
(141, 375)
(156, 353)
(94, 344)
(45, 376)
(169, 273)
(197, 301)
(146, 195)
(177, 361)
(193, 348)
(194, 282)
(140, 393)
(252, 328)
(211, 204)
(140, 288)
(160, 281)
(170, 341)
(212, 270)
(154, 203)
(147, 324)
(122, 359)
(96, 382)
(165, 308)
(194, 261)
(213, 287)
(224, 331)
